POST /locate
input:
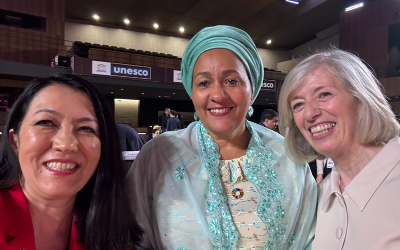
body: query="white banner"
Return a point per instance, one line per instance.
(101, 68)
(177, 76)
(129, 155)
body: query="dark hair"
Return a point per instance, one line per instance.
(154, 131)
(105, 219)
(173, 112)
(166, 109)
(268, 114)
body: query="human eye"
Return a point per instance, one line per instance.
(230, 81)
(45, 123)
(203, 84)
(87, 129)
(325, 94)
(297, 106)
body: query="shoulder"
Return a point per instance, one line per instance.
(269, 137)
(171, 143)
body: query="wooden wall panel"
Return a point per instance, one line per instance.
(365, 32)
(29, 46)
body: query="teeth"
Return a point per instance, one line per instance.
(61, 166)
(322, 129)
(219, 110)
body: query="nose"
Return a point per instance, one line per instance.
(217, 93)
(311, 111)
(65, 140)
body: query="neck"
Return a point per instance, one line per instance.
(232, 145)
(51, 221)
(352, 162)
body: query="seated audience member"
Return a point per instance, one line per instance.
(173, 122)
(129, 139)
(332, 105)
(223, 182)
(154, 133)
(269, 119)
(61, 178)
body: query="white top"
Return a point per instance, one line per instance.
(242, 197)
(367, 214)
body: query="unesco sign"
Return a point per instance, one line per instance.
(120, 70)
(268, 85)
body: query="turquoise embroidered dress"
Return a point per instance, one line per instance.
(182, 203)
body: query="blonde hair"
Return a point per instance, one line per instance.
(376, 119)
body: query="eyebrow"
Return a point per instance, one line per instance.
(228, 71)
(225, 72)
(53, 112)
(205, 73)
(315, 90)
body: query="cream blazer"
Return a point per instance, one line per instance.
(367, 214)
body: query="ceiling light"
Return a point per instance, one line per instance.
(290, 1)
(181, 29)
(155, 25)
(159, 96)
(355, 6)
(112, 92)
(96, 17)
(122, 89)
(269, 41)
(126, 21)
(142, 93)
(173, 93)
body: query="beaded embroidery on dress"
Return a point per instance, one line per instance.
(258, 170)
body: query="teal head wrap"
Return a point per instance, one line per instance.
(223, 37)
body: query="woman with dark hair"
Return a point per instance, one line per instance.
(61, 178)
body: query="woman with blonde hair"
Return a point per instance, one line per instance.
(331, 104)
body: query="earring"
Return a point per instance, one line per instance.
(251, 111)
(195, 116)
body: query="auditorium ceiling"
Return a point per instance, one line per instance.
(287, 25)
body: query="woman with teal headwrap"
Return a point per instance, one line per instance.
(224, 182)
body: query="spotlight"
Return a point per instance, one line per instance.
(269, 41)
(96, 17)
(126, 21)
(181, 29)
(293, 2)
(155, 25)
(356, 6)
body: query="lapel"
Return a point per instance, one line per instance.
(18, 222)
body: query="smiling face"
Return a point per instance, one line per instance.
(58, 144)
(221, 91)
(325, 113)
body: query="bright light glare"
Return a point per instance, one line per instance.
(290, 1)
(269, 41)
(359, 5)
(155, 25)
(126, 21)
(181, 29)
(96, 17)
